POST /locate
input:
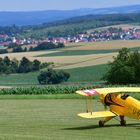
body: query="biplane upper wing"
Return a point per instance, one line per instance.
(117, 90)
(87, 92)
(92, 92)
(100, 114)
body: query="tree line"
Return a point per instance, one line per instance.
(8, 66)
(47, 46)
(42, 46)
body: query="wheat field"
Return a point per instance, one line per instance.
(123, 26)
(74, 61)
(104, 45)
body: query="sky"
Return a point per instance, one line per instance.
(33, 5)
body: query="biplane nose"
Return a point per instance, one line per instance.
(102, 98)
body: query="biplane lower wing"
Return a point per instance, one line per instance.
(100, 114)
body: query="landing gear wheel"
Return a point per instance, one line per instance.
(101, 123)
(123, 123)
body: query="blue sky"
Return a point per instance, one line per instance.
(32, 5)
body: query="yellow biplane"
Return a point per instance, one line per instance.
(118, 101)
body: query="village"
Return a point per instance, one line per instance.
(106, 34)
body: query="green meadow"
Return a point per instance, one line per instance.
(19, 79)
(92, 74)
(58, 120)
(84, 52)
(83, 74)
(78, 52)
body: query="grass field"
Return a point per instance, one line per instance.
(87, 74)
(91, 74)
(84, 52)
(19, 79)
(77, 52)
(57, 120)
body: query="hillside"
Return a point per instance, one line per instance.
(74, 26)
(71, 26)
(39, 17)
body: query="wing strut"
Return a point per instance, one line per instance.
(87, 104)
(91, 105)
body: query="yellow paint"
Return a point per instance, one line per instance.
(97, 114)
(117, 90)
(118, 105)
(112, 90)
(129, 107)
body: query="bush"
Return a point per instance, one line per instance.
(51, 76)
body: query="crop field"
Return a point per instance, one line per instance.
(105, 45)
(57, 120)
(84, 52)
(78, 59)
(29, 55)
(79, 54)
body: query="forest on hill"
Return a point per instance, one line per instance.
(21, 18)
(70, 27)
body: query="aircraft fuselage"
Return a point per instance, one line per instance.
(123, 105)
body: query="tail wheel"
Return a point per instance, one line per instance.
(123, 123)
(101, 123)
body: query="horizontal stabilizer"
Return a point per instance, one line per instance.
(100, 114)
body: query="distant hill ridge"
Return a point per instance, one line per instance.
(39, 17)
